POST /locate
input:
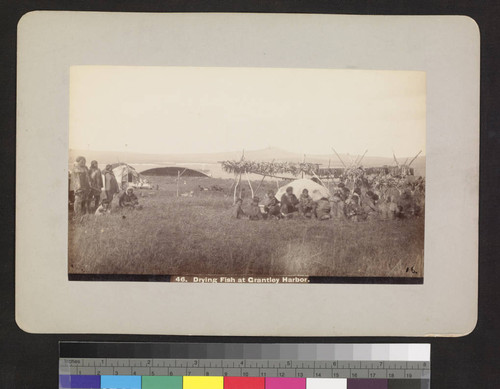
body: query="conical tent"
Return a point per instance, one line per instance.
(127, 176)
(316, 191)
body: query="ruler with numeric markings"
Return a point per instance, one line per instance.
(176, 365)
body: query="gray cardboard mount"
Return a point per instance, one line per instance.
(445, 47)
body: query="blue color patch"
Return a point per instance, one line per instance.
(80, 381)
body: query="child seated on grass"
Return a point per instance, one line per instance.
(237, 211)
(254, 211)
(103, 208)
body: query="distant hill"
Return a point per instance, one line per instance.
(267, 154)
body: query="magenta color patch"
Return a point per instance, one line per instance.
(367, 384)
(285, 383)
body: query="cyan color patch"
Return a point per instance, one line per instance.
(120, 382)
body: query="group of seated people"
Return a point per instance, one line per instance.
(358, 205)
(287, 207)
(344, 204)
(127, 200)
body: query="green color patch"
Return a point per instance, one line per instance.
(161, 382)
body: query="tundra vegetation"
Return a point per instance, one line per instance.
(196, 235)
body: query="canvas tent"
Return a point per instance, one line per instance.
(316, 191)
(127, 176)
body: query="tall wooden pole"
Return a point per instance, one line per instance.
(414, 158)
(237, 183)
(178, 179)
(358, 161)
(395, 159)
(338, 156)
(260, 184)
(249, 184)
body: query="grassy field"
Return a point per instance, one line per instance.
(197, 236)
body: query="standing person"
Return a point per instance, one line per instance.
(110, 184)
(289, 202)
(81, 185)
(96, 186)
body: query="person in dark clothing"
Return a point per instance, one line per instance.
(128, 199)
(96, 186)
(343, 191)
(110, 184)
(81, 186)
(354, 211)
(272, 205)
(370, 208)
(289, 202)
(307, 207)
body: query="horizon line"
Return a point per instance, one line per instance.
(245, 150)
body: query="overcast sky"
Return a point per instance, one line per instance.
(197, 110)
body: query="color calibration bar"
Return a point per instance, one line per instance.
(87, 365)
(148, 382)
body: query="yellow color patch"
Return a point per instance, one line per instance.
(190, 382)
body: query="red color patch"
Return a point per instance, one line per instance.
(244, 383)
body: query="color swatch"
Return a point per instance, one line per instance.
(121, 382)
(244, 383)
(285, 383)
(161, 382)
(190, 382)
(326, 383)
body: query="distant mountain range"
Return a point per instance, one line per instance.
(267, 154)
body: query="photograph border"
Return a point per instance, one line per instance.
(285, 123)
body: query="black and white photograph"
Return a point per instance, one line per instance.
(246, 175)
